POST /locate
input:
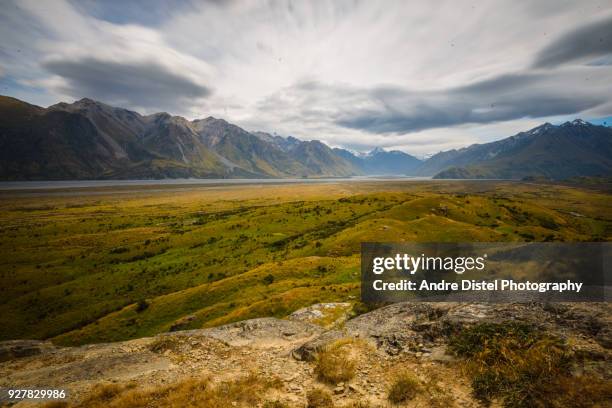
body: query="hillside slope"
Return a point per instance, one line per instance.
(572, 149)
(210, 367)
(382, 162)
(91, 140)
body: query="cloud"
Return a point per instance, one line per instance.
(145, 12)
(128, 65)
(500, 99)
(588, 41)
(349, 72)
(397, 110)
(144, 84)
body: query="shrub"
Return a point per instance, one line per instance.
(404, 388)
(142, 305)
(268, 279)
(319, 398)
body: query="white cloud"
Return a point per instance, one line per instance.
(313, 69)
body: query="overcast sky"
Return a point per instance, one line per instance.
(418, 76)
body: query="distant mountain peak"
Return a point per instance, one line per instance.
(575, 148)
(538, 129)
(211, 119)
(86, 100)
(89, 103)
(577, 122)
(377, 150)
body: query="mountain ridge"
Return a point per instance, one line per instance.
(571, 149)
(92, 140)
(88, 139)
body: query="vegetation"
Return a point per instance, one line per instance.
(247, 391)
(404, 388)
(525, 367)
(335, 364)
(319, 398)
(275, 404)
(76, 268)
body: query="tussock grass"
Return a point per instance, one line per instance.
(358, 404)
(247, 391)
(525, 367)
(275, 404)
(437, 395)
(336, 362)
(319, 398)
(405, 387)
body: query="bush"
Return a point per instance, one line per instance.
(268, 279)
(404, 388)
(142, 305)
(319, 398)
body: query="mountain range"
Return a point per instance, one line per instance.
(92, 140)
(575, 148)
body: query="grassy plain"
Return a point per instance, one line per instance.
(106, 264)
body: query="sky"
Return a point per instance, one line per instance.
(417, 76)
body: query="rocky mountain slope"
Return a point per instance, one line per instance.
(572, 149)
(382, 162)
(92, 140)
(284, 357)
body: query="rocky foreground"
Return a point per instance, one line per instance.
(402, 337)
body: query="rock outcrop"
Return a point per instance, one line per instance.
(410, 336)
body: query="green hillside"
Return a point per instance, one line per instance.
(108, 266)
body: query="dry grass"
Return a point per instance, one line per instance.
(247, 391)
(319, 398)
(275, 404)
(358, 404)
(336, 362)
(103, 394)
(437, 396)
(404, 387)
(524, 367)
(56, 404)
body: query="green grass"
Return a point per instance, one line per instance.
(74, 268)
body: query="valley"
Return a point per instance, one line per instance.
(95, 264)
